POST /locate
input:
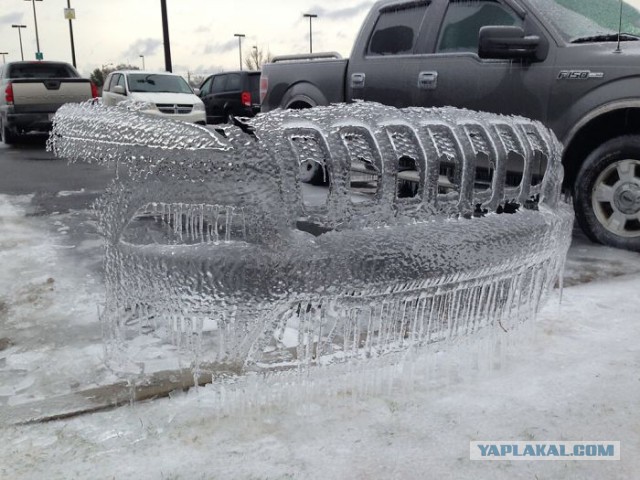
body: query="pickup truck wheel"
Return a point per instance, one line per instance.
(312, 172)
(607, 193)
(8, 137)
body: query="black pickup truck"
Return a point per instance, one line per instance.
(572, 64)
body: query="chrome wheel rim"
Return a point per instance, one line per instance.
(616, 198)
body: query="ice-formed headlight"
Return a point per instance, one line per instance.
(198, 107)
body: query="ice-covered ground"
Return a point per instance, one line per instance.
(574, 375)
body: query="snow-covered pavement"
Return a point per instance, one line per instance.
(573, 375)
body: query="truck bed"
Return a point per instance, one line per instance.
(321, 76)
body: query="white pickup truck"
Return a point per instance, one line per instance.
(31, 92)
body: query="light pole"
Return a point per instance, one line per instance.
(20, 27)
(240, 37)
(143, 67)
(35, 21)
(165, 36)
(310, 16)
(70, 14)
(3, 54)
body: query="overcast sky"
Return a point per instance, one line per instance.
(201, 31)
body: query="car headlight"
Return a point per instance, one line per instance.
(198, 107)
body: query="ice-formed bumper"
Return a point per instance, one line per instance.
(204, 244)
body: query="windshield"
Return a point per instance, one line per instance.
(591, 20)
(151, 82)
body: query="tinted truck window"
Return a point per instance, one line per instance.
(41, 70)
(218, 84)
(234, 83)
(462, 23)
(254, 86)
(205, 88)
(397, 29)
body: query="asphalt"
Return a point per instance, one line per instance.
(27, 168)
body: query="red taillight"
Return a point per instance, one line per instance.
(8, 93)
(245, 98)
(264, 85)
(94, 91)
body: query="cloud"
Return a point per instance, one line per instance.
(198, 74)
(11, 18)
(202, 29)
(143, 46)
(341, 13)
(207, 69)
(200, 70)
(224, 47)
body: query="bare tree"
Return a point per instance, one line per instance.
(99, 75)
(257, 58)
(195, 80)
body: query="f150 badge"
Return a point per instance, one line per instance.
(578, 74)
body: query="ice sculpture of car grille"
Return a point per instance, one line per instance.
(435, 223)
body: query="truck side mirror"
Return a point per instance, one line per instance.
(507, 42)
(119, 89)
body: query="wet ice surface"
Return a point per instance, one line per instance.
(207, 264)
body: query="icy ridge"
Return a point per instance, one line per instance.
(205, 249)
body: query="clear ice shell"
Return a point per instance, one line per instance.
(211, 247)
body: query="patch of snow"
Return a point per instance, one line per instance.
(572, 375)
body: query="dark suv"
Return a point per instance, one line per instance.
(231, 93)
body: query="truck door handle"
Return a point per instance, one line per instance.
(357, 80)
(428, 80)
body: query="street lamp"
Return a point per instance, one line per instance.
(165, 36)
(240, 37)
(310, 16)
(3, 54)
(70, 14)
(20, 27)
(143, 67)
(35, 21)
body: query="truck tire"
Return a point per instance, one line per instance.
(312, 172)
(607, 193)
(8, 137)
